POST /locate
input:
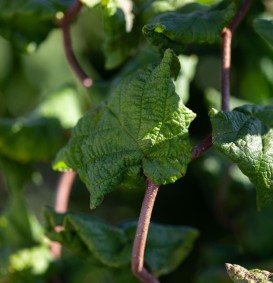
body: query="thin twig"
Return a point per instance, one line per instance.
(202, 147)
(61, 203)
(64, 24)
(141, 235)
(226, 53)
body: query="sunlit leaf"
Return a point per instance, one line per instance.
(245, 135)
(239, 274)
(143, 128)
(195, 23)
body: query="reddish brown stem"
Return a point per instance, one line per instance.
(226, 53)
(202, 147)
(64, 23)
(141, 235)
(61, 203)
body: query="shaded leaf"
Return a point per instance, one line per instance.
(27, 140)
(264, 29)
(118, 41)
(239, 274)
(167, 246)
(26, 23)
(142, 128)
(245, 135)
(195, 23)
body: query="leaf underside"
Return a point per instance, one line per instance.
(142, 128)
(193, 24)
(111, 246)
(245, 135)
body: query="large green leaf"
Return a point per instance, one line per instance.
(143, 128)
(245, 135)
(27, 140)
(264, 29)
(26, 23)
(167, 246)
(195, 23)
(239, 274)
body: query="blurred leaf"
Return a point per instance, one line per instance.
(62, 104)
(213, 99)
(264, 29)
(119, 138)
(111, 246)
(185, 76)
(239, 274)
(28, 140)
(167, 246)
(26, 23)
(16, 173)
(18, 226)
(195, 23)
(118, 40)
(258, 232)
(245, 135)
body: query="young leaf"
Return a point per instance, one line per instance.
(167, 246)
(264, 29)
(27, 140)
(239, 274)
(142, 128)
(26, 23)
(195, 23)
(245, 135)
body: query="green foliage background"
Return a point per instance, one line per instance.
(39, 97)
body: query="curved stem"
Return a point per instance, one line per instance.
(64, 24)
(141, 235)
(61, 203)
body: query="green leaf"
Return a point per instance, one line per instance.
(26, 23)
(62, 104)
(167, 246)
(118, 42)
(186, 74)
(239, 274)
(195, 23)
(142, 128)
(245, 135)
(28, 140)
(264, 29)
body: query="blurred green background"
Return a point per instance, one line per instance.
(214, 196)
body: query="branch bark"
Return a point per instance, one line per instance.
(141, 235)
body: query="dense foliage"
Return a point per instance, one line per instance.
(152, 94)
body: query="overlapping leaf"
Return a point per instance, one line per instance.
(195, 23)
(143, 128)
(111, 246)
(264, 29)
(239, 274)
(27, 140)
(27, 22)
(245, 135)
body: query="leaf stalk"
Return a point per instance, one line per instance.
(141, 235)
